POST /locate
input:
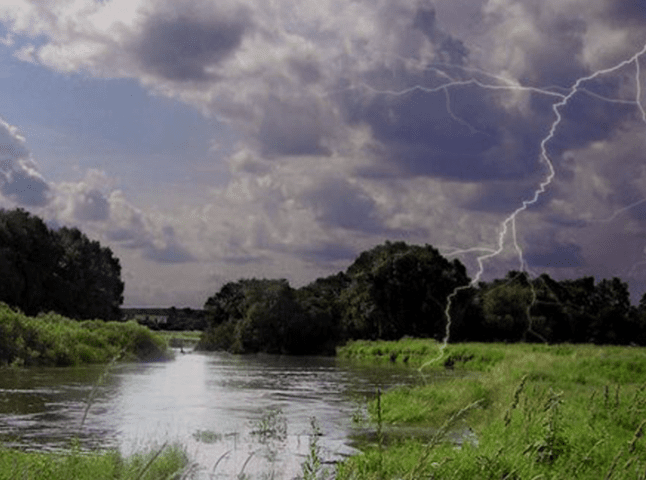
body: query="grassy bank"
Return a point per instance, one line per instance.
(182, 338)
(531, 412)
(54, 340)
(164, 463)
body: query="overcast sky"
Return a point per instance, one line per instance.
(206, 141)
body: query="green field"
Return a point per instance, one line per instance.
(506, 411)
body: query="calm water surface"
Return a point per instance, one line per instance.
(212, 403)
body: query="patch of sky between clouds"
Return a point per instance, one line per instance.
(117, 112)
(110, 124)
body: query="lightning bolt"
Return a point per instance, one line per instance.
(616, 213)
(508, 225)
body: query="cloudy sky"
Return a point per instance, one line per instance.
(205, 141)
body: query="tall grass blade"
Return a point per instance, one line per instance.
(143, 471)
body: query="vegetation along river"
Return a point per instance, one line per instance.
(250, 414)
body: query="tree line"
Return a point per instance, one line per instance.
(390, 291)
(63, 271)
(396, 290)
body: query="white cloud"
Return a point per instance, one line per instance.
(19, 176)
(337, 149)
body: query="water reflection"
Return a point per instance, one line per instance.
(213, 404)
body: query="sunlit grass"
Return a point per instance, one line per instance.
(169, 462)
(54, 340)
(545, 412)
(186, 335)
(181, 339)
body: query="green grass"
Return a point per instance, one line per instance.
(424, 353)
(53, 340)
(162, 463)
(538, 412)
(183, 338)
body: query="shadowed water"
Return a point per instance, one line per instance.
(252, 412)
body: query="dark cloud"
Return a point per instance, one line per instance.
(121, 235)
(168, 254)
(244, 259)
(171, 251)
(555, 60)
(137, 236)
(504, 197)
(586, 120)
(473, 139)
(329, 252)
(337, 203)
(182, 48)
(565, 221)
(638, 212)
(289, 128)
(24, 188)
(307, 71)
(626, 11)
(448, 48)
(91, 205)
(566, 255)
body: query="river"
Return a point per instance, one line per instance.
(251, 414)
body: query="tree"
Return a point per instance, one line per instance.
(612, 322)
(396, 290)
(28, 257)
(322, 312)
(62, 270)
(227, 304)
(91, 276)
(506, 305)
(268, 315)
(272, 318)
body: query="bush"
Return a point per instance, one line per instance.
(58, 341)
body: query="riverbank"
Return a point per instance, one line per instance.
(161, 463)
(521, 411)
(182, 338)
(53, 340)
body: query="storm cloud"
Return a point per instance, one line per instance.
(349, 122)
(183, 48)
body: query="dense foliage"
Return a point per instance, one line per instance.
(396, 290)
(266, 315)
(56, 270)
(54, 340)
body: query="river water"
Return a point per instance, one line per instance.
(233, 414)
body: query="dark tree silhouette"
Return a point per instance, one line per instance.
(62, 271)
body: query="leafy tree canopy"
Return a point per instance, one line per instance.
(56, 270)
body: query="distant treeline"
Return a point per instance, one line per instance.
(172, 319)
(396, 290)
(43, 270)
(391, 291)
